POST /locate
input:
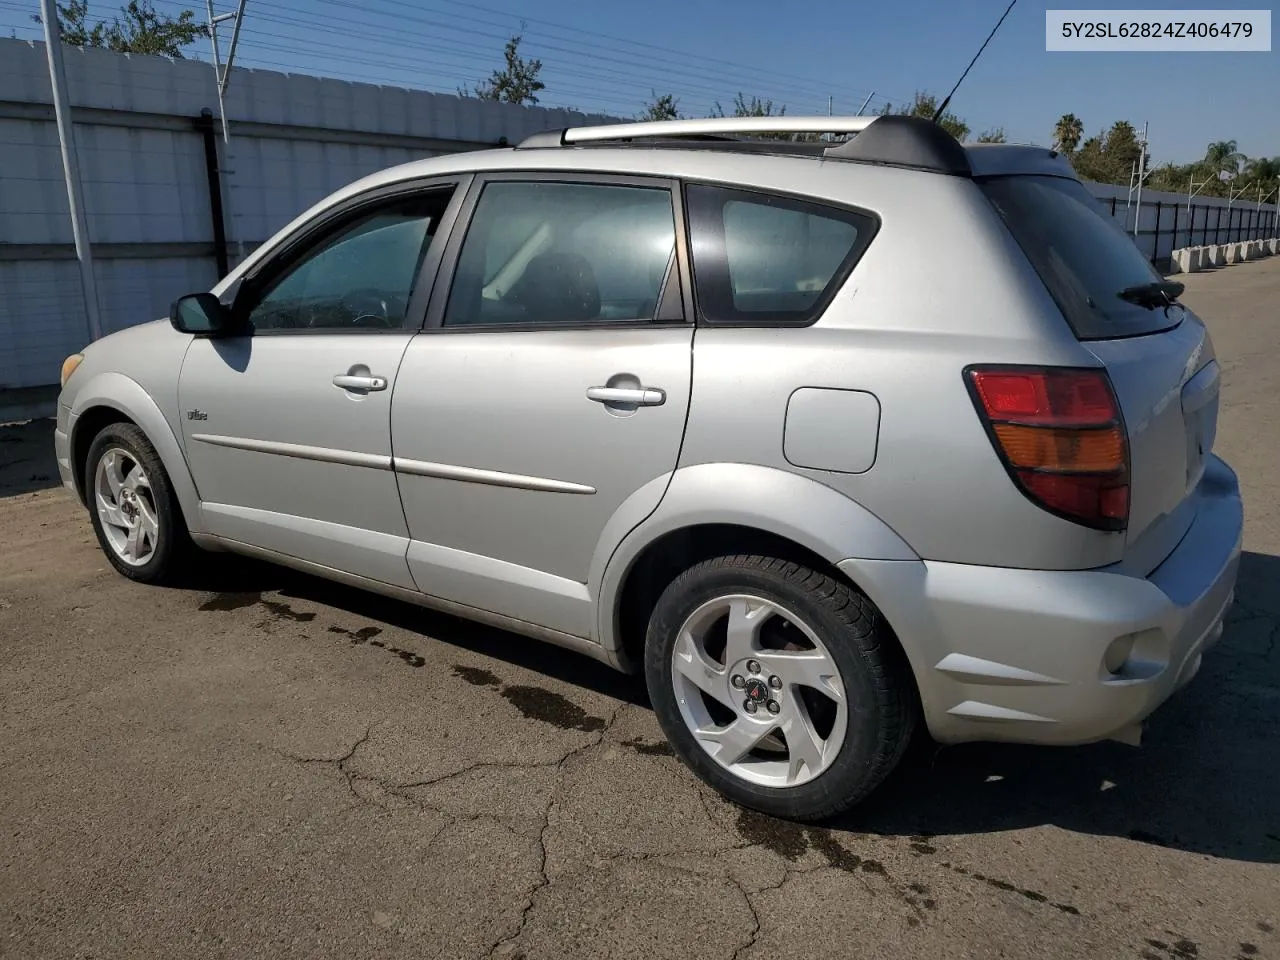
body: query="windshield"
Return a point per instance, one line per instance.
(1084, 258)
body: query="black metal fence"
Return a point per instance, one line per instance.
(1177, 226)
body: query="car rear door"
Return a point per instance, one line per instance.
(1158, 354)
(546, 399)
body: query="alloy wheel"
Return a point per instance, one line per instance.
(759, 691)
(126, 506)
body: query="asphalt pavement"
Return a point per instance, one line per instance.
(268, 765)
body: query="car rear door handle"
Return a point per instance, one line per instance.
(348, 382)
(640, 396)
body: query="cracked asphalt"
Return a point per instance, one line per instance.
(268, 765)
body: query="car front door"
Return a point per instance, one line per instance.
(549, 389)
(287, 424)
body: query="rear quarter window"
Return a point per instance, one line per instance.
(1082, 256)
(761, 258)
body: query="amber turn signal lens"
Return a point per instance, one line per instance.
(1061, 436)
(69, 366)
(1046, 448)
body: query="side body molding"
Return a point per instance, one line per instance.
(121, 393)
(763, 498)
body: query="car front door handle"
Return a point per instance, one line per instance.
(349, 382)
(639, 396)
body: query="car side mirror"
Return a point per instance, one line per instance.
(201, 314)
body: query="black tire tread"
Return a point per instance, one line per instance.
(179, 549)
(869, 637)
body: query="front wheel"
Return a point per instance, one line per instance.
(132, 506)
(780, 686)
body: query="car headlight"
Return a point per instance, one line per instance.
(69, 366)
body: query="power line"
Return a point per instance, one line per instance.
(645, 73)
(640, 68)
(615, 92)
(754, 69)
(749, 71)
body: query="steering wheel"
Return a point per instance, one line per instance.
(367, 307)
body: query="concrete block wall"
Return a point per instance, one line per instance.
(1195, 259)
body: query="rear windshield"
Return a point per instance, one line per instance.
(1083, 257)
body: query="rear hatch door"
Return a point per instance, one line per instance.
(1157, 352)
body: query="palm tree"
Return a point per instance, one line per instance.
(1224, 156)
(1263, 169)
(1067, 133)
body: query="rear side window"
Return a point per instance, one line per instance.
(1084, 259)
(547, 253)
(765, 259)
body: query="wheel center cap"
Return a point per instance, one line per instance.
(756, 690)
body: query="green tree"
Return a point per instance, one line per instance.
(1067, 133)
(1263, 169)
(926, 105)
(665, 107)
(137, 29)
(995, 135)
(1110, 156)
(516, 82)
(755, 107)
(1224, 156)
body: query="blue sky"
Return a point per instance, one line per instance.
(607, 56)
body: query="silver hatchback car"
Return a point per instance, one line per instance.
(828, 437)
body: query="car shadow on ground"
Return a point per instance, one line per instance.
(1204, 780)
(27, 463)
(237, 579)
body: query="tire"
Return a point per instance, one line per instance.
(164, 547)
(788, 606)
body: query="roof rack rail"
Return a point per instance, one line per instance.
(890, 140)
(717, 125)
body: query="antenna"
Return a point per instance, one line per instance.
(947, 102)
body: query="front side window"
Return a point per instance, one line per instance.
(360, 277)
(760, 258)
(563, 253)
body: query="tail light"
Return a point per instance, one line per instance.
(1059, 432)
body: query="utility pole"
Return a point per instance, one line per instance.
(223, 73)
(1231, 199)
(1142, 175)
(70, 164)
(1236, 195)
(1262, 200)
(1192, 190)
(222, 76)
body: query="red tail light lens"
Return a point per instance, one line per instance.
(1059, 433)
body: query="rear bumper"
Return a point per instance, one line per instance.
(1062, 657)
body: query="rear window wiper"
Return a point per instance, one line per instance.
(1158, 293)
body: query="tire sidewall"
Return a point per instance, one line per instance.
(132, 440)
(852, 774)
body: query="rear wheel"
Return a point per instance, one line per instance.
(132, 506)
(779, 685)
